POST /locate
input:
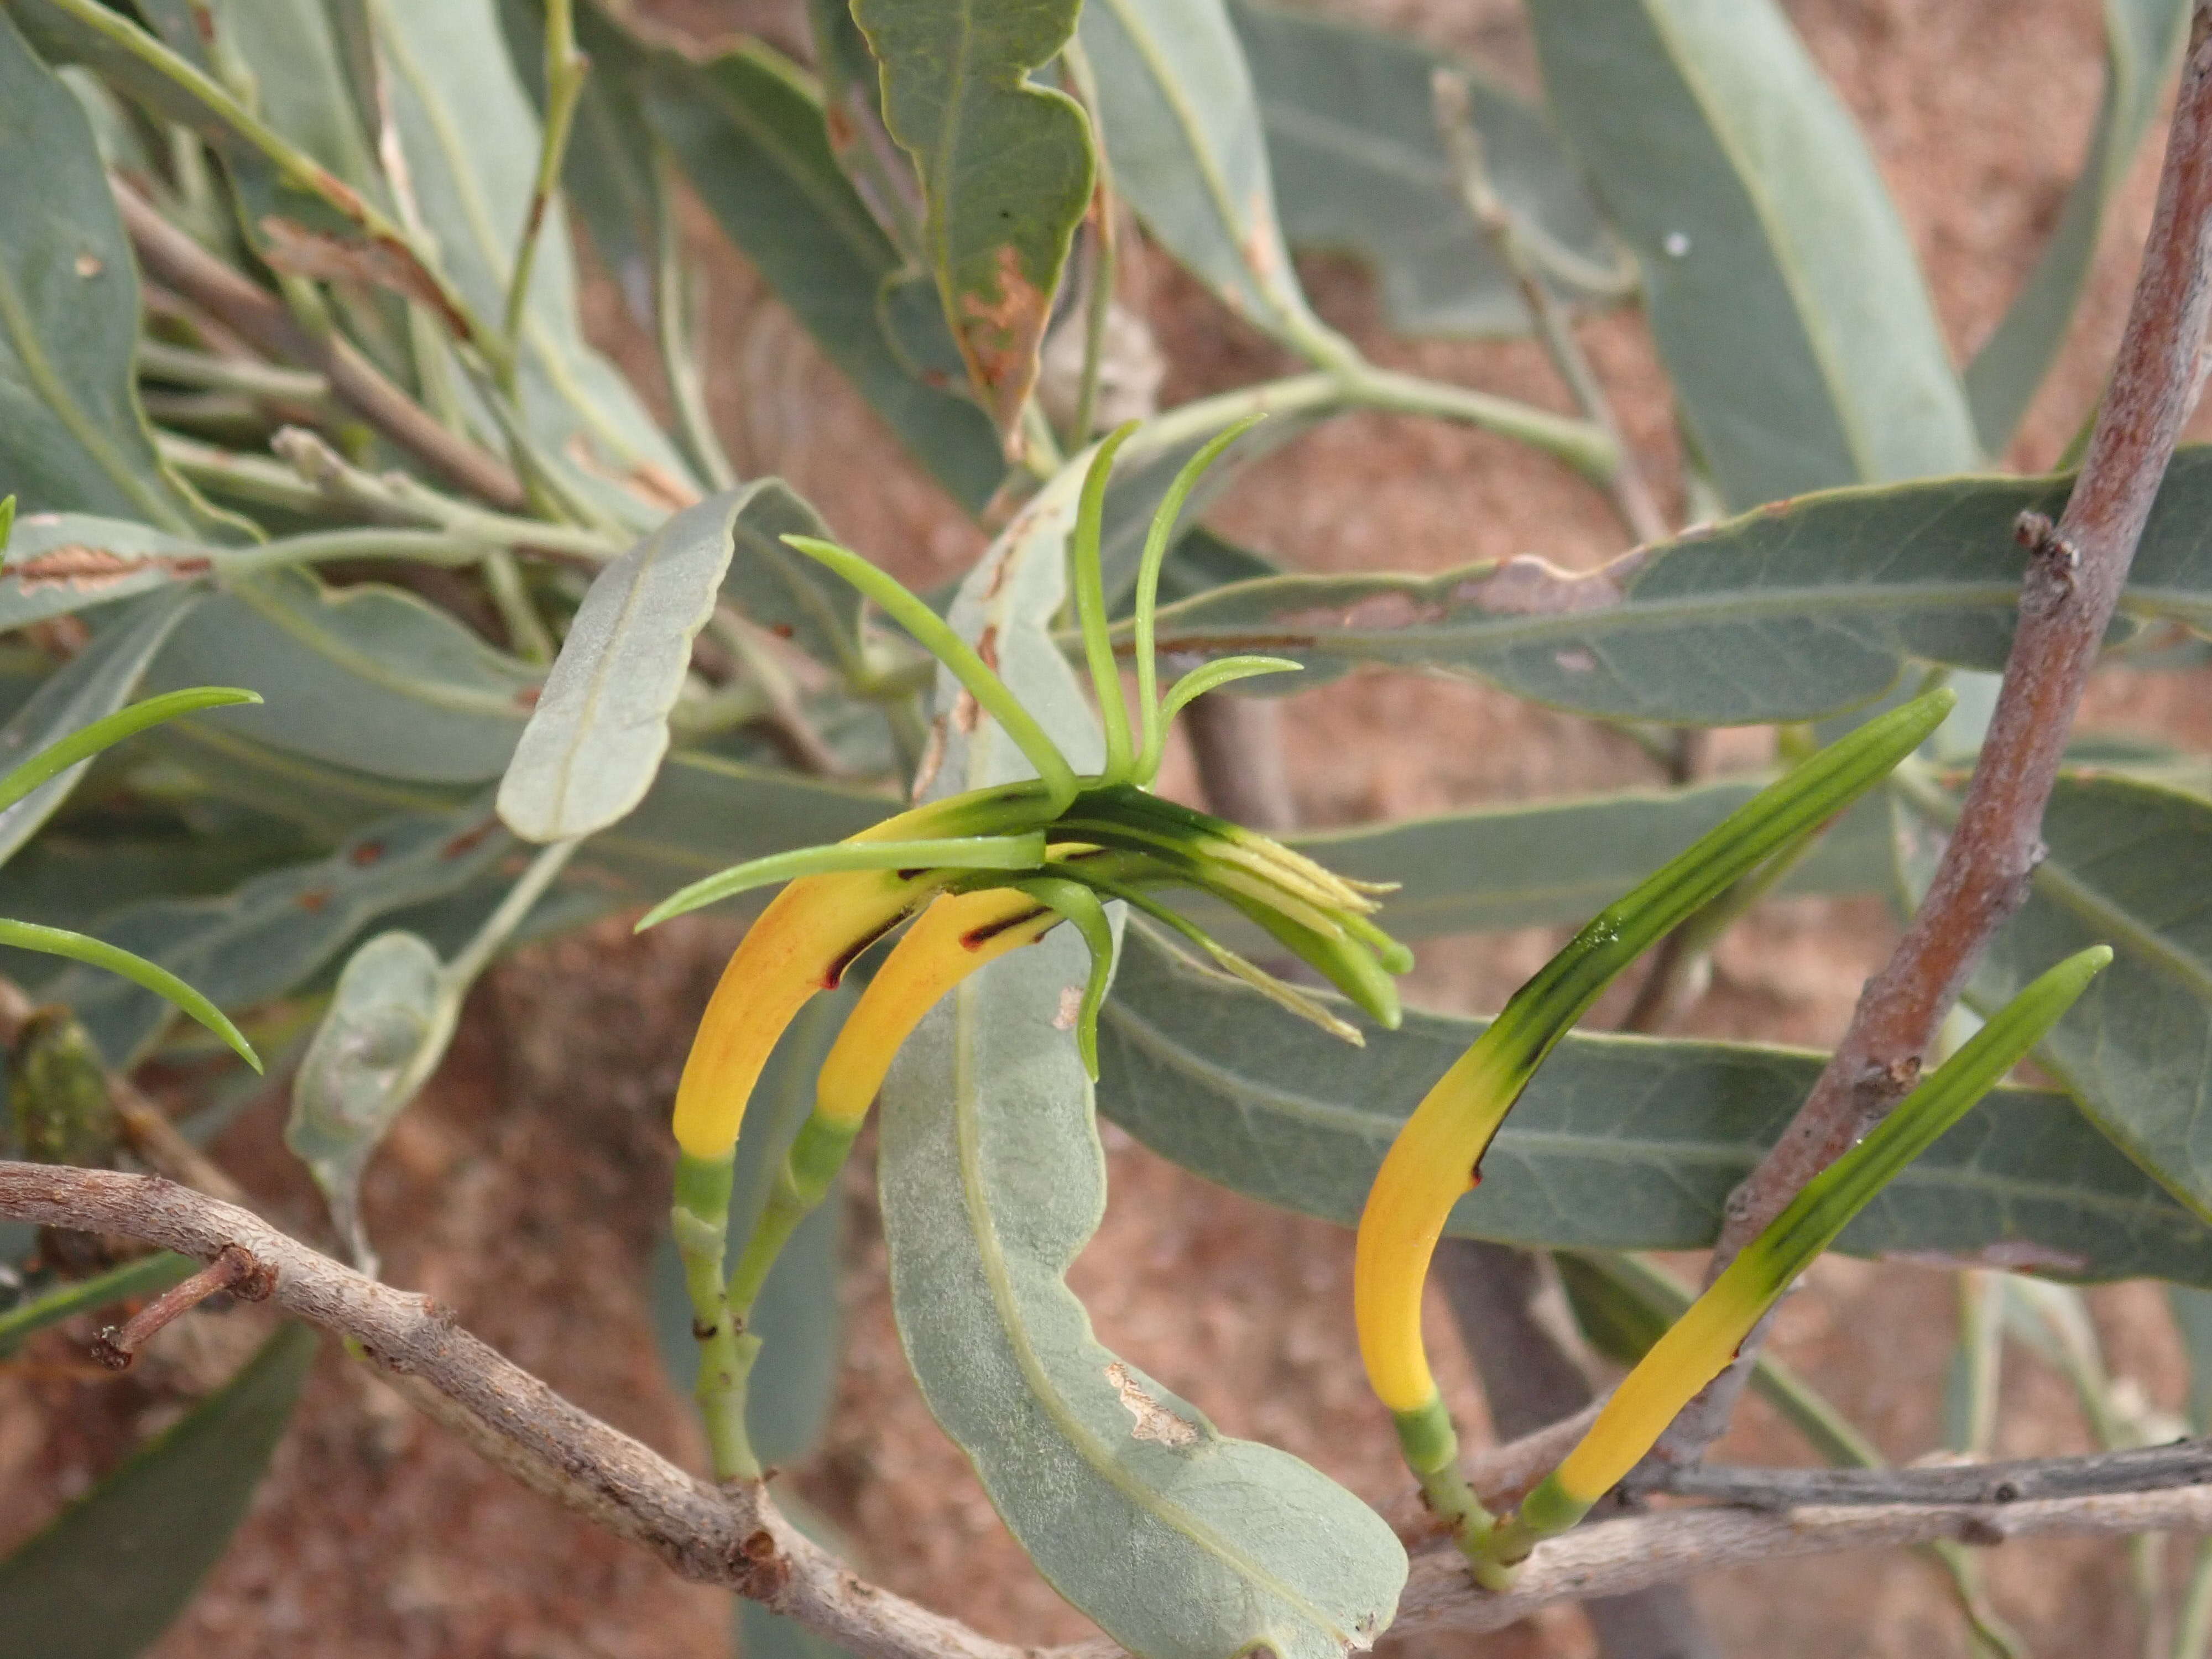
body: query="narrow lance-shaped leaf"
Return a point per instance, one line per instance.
(1783, 289)
(1621, 1143)
(72, 437)
(1005, 167)
(1793, 611)
(112, 1572)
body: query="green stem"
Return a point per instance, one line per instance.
(675, 330)
(248, 375)
(565, 70)
(700, 1223)
(470, 960)
(802, 1181)
(526, 634)
(1431, 1446)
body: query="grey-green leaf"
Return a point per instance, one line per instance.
(1005, 167)
(1620, 1144)
(267, 937)
(72, 437)
(2140, 36)
(1360, 168)
(92, 685)
(1783, 289)
(367, 676)
(390, 1007)
(1182, 130)
(113, 1569)
(595, 739)
(2125, 868)
(1791, 613)
(1182, 1544)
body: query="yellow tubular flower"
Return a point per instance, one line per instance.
(957, 934)
(809, 934)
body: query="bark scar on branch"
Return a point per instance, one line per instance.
(2070, 590)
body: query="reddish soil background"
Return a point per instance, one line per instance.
(526, 1187)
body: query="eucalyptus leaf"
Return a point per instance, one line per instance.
(92, 685)
(368, 677)
(1183, 129)
(1621, 1143)
(1782, 286)
(1179, 1543)
(72, 436)
(471, 144)
(1004, 167)
(1360, 168)
(116, 1567)
(274, 932)
(1789, 612)
(2139, 37)
(599, 731)
(2122, 869)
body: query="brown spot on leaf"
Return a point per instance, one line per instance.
(380, 261)
(368, 853)
(1155, 1422)
(1000, 334)
(966, 712)
(89, 265)
(314, 901)
(85, 570)
(655, 486)
(528, 695)
(987, 647)
(469, 839)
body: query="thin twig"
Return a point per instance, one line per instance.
(2144, 1468)
(1630, 489)
(2075, 572)
(261, 318)
(235, 1271)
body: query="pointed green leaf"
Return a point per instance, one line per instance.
(1004, 167)
(599, 728)
(112, 1572)
(2140, 36)
(72, 437)
(1181, 125)
(1360, 168)
(1783, 289)
(1619, 1143)
(1793, 611)
(88, 689)
(2124, 869)
(124, 964)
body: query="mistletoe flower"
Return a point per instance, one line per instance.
(985, 872)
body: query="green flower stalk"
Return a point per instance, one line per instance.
(1437, 1155)
(986, 873)
(1700, 1345)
